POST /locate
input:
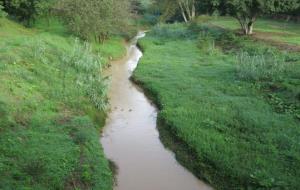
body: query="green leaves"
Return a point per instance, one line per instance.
(94, 19)
(2, 13)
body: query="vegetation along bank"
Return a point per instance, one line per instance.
(229, 105)
(52, 91)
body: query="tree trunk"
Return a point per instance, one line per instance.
(188, 9)
(183, 12)
(246, 25)
(250, 28)
(193, 11)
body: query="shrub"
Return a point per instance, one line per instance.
(258, 67)
(35, 168)
(150, 19)
(2, 13)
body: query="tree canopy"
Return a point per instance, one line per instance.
(2, 13)
(247, 11)
(26, 10)
(186, 8)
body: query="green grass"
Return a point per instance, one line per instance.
(111, 49)
(236, 134)
(287, 32)
(49, 124)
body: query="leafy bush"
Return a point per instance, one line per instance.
(2, 13)
(150, 19)
(260, 67)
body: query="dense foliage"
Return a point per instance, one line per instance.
(247, 11)
(90, 19)
(2, 12)
(94, 18)
(27, 10)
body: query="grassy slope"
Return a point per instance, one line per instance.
(287, 32)
(48, 140)
(234, 136)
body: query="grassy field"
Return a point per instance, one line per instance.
(239, 129)
(50, 87)
(286, 32)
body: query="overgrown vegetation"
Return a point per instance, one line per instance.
(94, 19)
(260, 67)
(2, 12)
(52, 104)
(235, 109)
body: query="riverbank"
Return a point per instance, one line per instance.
(239, 131)
(49, 124)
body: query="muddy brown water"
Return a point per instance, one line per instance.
(131, 140)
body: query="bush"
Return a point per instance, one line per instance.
(2, 13)
(150, 19)
(258, 67)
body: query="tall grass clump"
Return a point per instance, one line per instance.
(260, 67)
(88, 69)
(38, 50)
(197, 28)
(171, 32)
(206, 42)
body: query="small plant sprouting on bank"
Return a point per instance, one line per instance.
(206, 42)
(39, 51)
(88, 69)
(260, 67)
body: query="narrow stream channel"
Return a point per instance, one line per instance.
(131, 140)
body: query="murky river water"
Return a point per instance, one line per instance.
(131, 140)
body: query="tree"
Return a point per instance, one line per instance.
(26, 10)
(94, 18)
(187, 8)
(247, 11)
(2, 12)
